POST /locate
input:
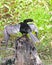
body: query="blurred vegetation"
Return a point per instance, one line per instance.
(15, 11)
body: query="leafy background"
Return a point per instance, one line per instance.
(15, 11)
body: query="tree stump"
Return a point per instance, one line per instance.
(24, 58)
(24, 55)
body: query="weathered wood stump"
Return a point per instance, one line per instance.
(24, 58)
(26, 54)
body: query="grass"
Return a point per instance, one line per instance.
(15, 11)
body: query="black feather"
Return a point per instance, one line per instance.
(28, 20)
